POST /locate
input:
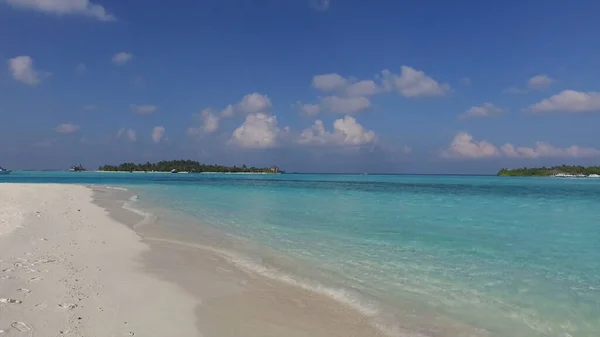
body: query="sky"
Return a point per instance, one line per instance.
(310, 85)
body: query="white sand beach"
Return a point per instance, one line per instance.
(68, 269)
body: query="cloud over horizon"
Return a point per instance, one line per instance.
(64, 7)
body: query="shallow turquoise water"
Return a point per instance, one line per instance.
(509, 256)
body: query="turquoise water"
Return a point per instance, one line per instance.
(497, 256)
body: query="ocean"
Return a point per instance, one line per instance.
(491, 256)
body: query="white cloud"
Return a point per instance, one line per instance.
(90, 107)
(486, 110)
(569, 101)
(345, 86)
(539, 82)
(254, 103)
(22, 70)
(63, 7)
(463, 146)
(210, 121)
(80, 68)
(122, 58)
(143, 109)
(346, 131)
(345, 105)
(309, 109)
(158, 133)
(227, 112)
(543, 149)
(414, 83)
(258, 131)
(67, 128)
(329, 82)
(128, 134)
(363, 88)
(320, 5)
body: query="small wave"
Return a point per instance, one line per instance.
(130, 206)
(116, 188)
(341, 295)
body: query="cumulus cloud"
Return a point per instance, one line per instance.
(539, 82)
(414, 83)
(363, 88)
(259, 130)
(329, 82)
(23, 70)
(65, 7)
(343, 86)
(485, 110)
(346, 131)
(254, 103)
(569, 101)
(158, 134)
(122, 58)
(143, 109)
(128, 134)
(67, 128)
(309, 109)
(227, 112)
(543, 149)
(346, 105)
(463, 146)
(210, 120)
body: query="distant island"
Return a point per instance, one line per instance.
(78, 168)
(560, 171)
(186, 166)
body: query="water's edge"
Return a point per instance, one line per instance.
(167, 244)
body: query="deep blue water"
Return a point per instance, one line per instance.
(507, 256)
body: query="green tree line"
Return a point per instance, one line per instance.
(186, 166)
(549, 171)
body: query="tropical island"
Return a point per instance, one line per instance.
(186, 166)
(554, 171)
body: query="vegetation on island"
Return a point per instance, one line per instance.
(549, 171)
(186, 166)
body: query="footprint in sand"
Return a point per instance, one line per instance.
(9, 301)
(68, 306)
(20, 326)
(40, 306)
(26, 292)
(35, 279)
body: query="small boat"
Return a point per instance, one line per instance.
(173, 171)
(4, 171)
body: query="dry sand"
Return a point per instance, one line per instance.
(68, 269)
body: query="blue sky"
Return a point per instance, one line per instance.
(310, 85)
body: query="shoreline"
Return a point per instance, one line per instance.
(254, 276)
(82, 264)
(236, 300)
(165, 172)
